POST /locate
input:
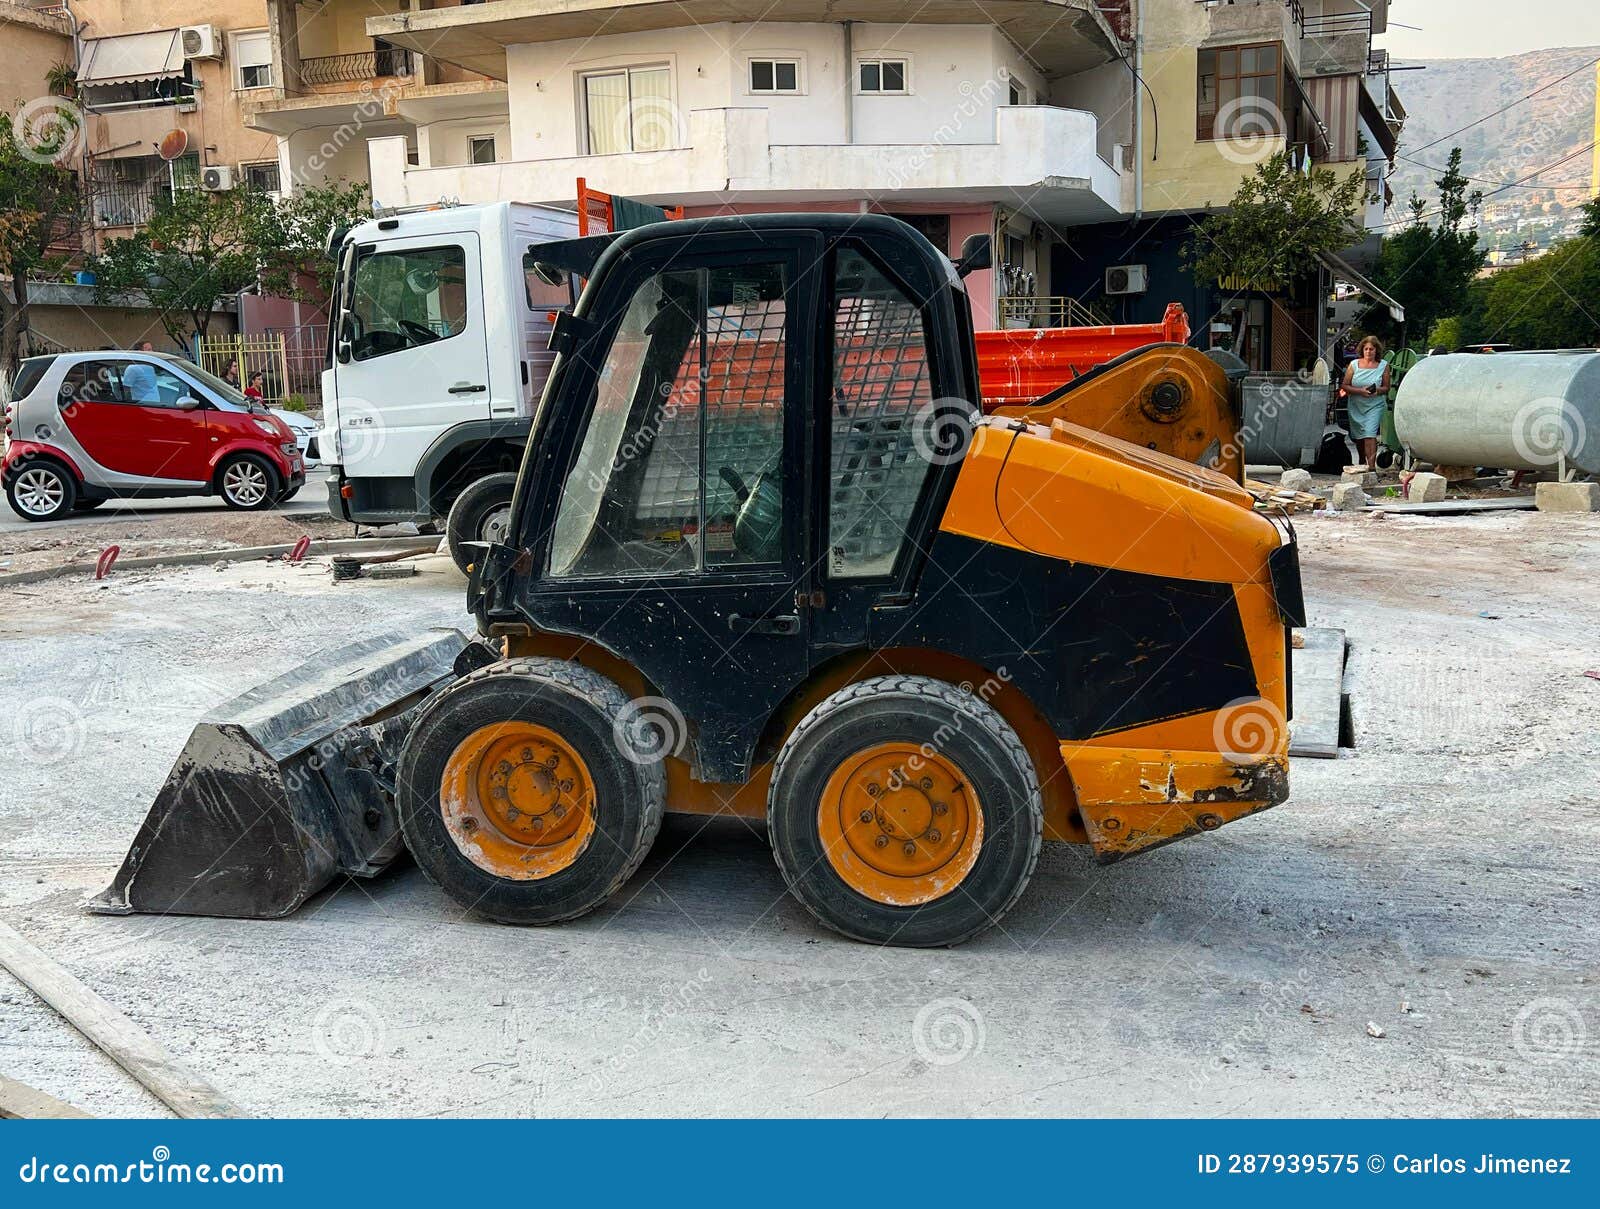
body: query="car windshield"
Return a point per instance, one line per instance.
(217, 386)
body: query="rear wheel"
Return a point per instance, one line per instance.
(517, 798)
(904, 811)
(248, 482)
(41, 491)
(481, 513)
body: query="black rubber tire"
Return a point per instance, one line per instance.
(583, 707)
(970, 732)
(69, 488)
(268, 499)
(471, 509)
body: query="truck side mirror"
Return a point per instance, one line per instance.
(976, 253)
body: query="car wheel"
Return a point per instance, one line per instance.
(248, 483)
(481, 513)
(41, 491)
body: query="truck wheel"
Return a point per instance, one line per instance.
(905, 811)
(481, 513)
(517, 799)
(248, 482)
(41, 490)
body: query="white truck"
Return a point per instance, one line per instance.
(437, 355)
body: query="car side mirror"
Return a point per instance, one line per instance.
(343, 352)
(976, 253)
(189, 403)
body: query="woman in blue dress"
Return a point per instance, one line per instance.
(1366, 390)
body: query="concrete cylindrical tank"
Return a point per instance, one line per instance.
(1513, 411)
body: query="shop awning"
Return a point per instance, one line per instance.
(130, 57)
(1342, 270)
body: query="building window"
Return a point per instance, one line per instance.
(1241, 92)
(1018, 95)
(252, 59)
(883, 75)
(480, 149)
(629, 110)
(262, 178)
(775, 75)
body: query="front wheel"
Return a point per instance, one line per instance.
(520, 796)
(481, 513)
(248, 483)
(904, 811)
(41, 491)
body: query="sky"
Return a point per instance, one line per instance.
(1488, 29)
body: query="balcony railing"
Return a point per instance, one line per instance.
(1335, 25)
(1017, 310)
(352, 69)
(1295, 7)
(123, 203)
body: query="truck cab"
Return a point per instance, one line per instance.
(437, 355)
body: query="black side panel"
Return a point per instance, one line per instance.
(1097, 650)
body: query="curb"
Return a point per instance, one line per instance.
(347, 545)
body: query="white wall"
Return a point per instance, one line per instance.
(447, 142)
(958, 78)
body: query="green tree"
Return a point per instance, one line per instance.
(1277, 223)
(1591, 220)
(1427, 267)
(39, 201)
(1550, 302)
(301, 268)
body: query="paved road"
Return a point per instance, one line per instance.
(313, 497)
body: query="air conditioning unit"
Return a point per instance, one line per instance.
(201, 42)
(218, 178)
(1128, 279)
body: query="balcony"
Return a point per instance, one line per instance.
(1336, 44)
(1062, 36)
(382, 62)
(1043, 162)
(1236, 22)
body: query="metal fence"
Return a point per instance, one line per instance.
(245, 356)
(352, 69)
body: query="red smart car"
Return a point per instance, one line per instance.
(83, 428)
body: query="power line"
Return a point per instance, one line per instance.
(1432, 213)
(1484, 180)
(1506, 108)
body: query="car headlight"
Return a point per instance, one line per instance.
(289, 447)
(268, 427)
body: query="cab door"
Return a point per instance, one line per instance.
(674, 535)
(410, 351)
(125, 414)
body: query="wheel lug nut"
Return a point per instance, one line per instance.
(934, 837)
(566, 786)
(499, 791)
(469, 824)
(927, 782)
(866, 816)
(910, 849)
(538, 824)
(552, 761)
(560, 812)
(882, 841)
(527, 754)
(939, 808)
(874, 789)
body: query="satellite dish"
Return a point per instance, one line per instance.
(173, 144)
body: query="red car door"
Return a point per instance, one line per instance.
(125, 415)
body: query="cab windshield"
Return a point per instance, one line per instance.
(218, 386)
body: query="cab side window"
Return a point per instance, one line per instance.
(880, 391)
(405, 299)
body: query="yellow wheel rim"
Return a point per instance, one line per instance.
(518, 801)
(900, 826)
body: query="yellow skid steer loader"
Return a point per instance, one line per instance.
(767, 559)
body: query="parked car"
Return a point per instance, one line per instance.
(305, 434)
(83, 428)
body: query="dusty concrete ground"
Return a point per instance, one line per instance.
(1440, 883)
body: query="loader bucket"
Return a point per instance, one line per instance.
(287, 786)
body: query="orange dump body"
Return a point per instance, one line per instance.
(1021, 364)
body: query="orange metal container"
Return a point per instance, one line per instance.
(1020, 364)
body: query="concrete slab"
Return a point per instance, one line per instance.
(1519, 503)
(1567, 497)
(1425, 488)
(1318, 668)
